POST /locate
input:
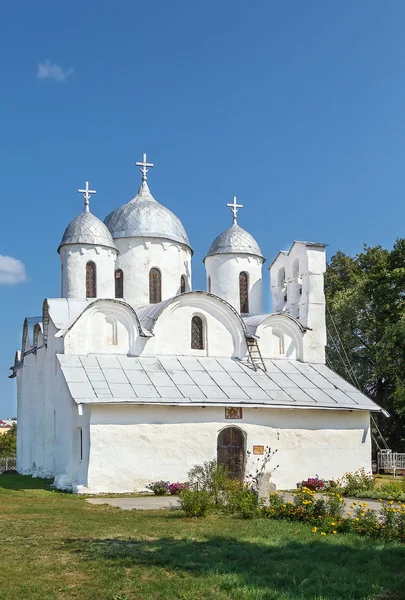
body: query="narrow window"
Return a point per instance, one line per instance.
(81, 443)
(119, 283)
(91, 280)
(197, 334)
(182, 284)
(244, 292)
(155, 286)
(209, 284)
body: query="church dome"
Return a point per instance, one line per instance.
(87, 229)
(143, 216)
(235, 240)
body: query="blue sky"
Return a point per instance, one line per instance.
(297, 108)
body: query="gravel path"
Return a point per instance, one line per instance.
(161, 502)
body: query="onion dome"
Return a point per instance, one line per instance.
(235, 240)
(143, 216)
(86, 228)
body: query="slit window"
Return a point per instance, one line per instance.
(91, 280)
(182, 284)
(209, 284)
(197, 334)
(155, 286)
(244, 292)
(119, 283)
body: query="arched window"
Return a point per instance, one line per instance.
(91, 280)
(182, 284)
(244, 292)
(119, 283)
(209, 284)
(197, 334)
(155, 286)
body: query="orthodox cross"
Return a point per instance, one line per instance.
(144, 169)
(235, 208)
(87, 195)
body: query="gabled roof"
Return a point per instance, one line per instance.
(206, 381)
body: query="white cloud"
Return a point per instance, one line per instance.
(12, 270)
(48, 70)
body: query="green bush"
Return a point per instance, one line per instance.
(242, 502)
(196, 503)
(356, 482)
(212, 478)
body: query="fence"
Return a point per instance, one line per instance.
(7, 463)
(390, 461)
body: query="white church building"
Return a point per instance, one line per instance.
(131, 376)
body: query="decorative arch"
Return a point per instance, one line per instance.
(155, 286)
(244, 292)
(197, 333)
(217, 307)
(119, 283)
(267, 327)
(91, 279)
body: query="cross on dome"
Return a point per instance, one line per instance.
(235, 208)
(144, 170)
(87, 194)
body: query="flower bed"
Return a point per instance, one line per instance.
(327, 518)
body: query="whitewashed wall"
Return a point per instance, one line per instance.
(46, 416)
(74, 258)
(134, 445)
(137, 256)
(224, 271)
(223, 331)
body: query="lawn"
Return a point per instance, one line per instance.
(58, 546)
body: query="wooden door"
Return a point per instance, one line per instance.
(231, 452)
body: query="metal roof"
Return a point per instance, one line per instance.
(143, 216)
(86, 228)
(235, 240)
(207, 381)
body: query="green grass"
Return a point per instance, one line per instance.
(58, 546)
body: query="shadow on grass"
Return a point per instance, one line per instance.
(24, 482)
(316, 569)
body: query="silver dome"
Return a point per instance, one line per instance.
(87, 229)
(143, 216)
(235, 240)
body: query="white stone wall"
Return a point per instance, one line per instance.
(224, 270)
(223, 331)
(134, 445)
(297, 287)
(137, 256)
(46, 415)
(74, 258)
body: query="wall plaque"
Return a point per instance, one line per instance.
(258, 449)
(233, 413)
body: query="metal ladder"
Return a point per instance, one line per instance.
(255, 356)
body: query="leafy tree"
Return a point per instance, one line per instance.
(365, 315)
(8, 442)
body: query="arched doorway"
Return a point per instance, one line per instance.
(231, 451)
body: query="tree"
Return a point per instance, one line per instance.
(365, 316)
(8, 442)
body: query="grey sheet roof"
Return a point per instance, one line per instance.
(207, 381)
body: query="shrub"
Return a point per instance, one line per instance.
(175, 488)
(212, 478)
(242, 501)
(356, 482)
(159, 488)
(196, 503)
